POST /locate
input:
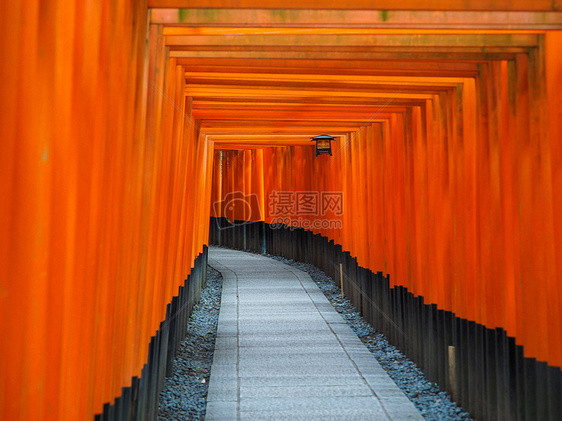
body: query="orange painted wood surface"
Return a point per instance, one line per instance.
(456, 198)
(101, 165)
(480, 5)
(122, 130)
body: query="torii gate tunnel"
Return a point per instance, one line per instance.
(133, 134)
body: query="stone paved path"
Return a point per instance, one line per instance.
(283, 353)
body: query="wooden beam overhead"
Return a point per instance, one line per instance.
(244, 124)
(263, 70)
(383, 40)
(334, 116)
(249, 141)
(351, 80)
(250, 31)
(273, 107)
(309, 131)
(313, 101)
(337, 67)
(202, 91)
(258, 137)
(337, 88)
(209, 21)
(382, 5)
(476, 54)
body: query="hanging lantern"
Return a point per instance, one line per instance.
(323, 144)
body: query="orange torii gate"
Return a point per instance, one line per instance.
(123, 122)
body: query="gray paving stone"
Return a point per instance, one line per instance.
(222, 389)
(284, 340)
(311, 404)
(227, 357)
(225, 330)
(283, 352)
(320, 351)
(324, 415)
(302, 367)
(226, 342)
(397, 409)
(316, 391)
(219, 370)
(300, 380)
(382, 384)
(221, 411)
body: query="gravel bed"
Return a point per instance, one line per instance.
(433, 403)
(185, 393)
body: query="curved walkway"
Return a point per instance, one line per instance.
(283, 353)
